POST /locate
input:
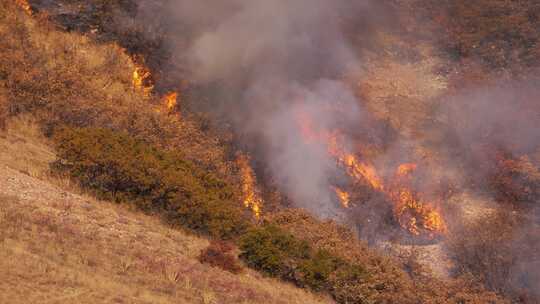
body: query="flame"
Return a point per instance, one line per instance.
(413, 214)
(252, 199)
(170, 100)
(356, 169)
(359, 170)
(343, 196)
(405, 169)
(142, 79)
(25, 6)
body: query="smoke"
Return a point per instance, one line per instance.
(486, 123)
(272, 60)
(264, 63)
(492, 135)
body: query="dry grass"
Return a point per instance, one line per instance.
(58, 247)
(23, 147)
(402, 280)
(401, 90)
(69, 79)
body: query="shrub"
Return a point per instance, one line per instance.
(316, 271)
(273, 251)
(218, 254)
(361, 274)
(74, 81)
(500, 250)
(120, 168)
(278, 253)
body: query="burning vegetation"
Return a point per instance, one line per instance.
(142, 77)
(414, 214)
(25, 6)
(398, 183)
(251, 196)
(170, 101)
(417, 216)
(143, 82)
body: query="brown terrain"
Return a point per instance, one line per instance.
(61, 247)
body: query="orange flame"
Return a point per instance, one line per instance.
(170, 100)
(252, 199)
(412, 214)
(343, 196)
(359, 170)
(356, 169)
(25, 6)
(142, 79)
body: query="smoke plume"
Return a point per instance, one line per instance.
(272, 59)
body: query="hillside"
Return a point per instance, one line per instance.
(61, 247)
(198, 152)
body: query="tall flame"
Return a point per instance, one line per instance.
(252, 198)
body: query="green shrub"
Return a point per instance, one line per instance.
(278, 253)
(68, 79)
(120, 168)
(316, 271)
(273, 251)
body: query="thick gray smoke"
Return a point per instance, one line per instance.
(276, 58)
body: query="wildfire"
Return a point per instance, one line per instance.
(142, 79)
(170, 100)
(413, 214)
(252, 199)
(25, 6)
(356, 169)
(343, 196)
(360, 170)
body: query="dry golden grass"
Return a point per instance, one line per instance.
(24, 148)
(402, 90)
(67, 78)
(58, 247)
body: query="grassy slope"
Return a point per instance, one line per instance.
(60, 247)
(66, 248)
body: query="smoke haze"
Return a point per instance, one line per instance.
(275, 58)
